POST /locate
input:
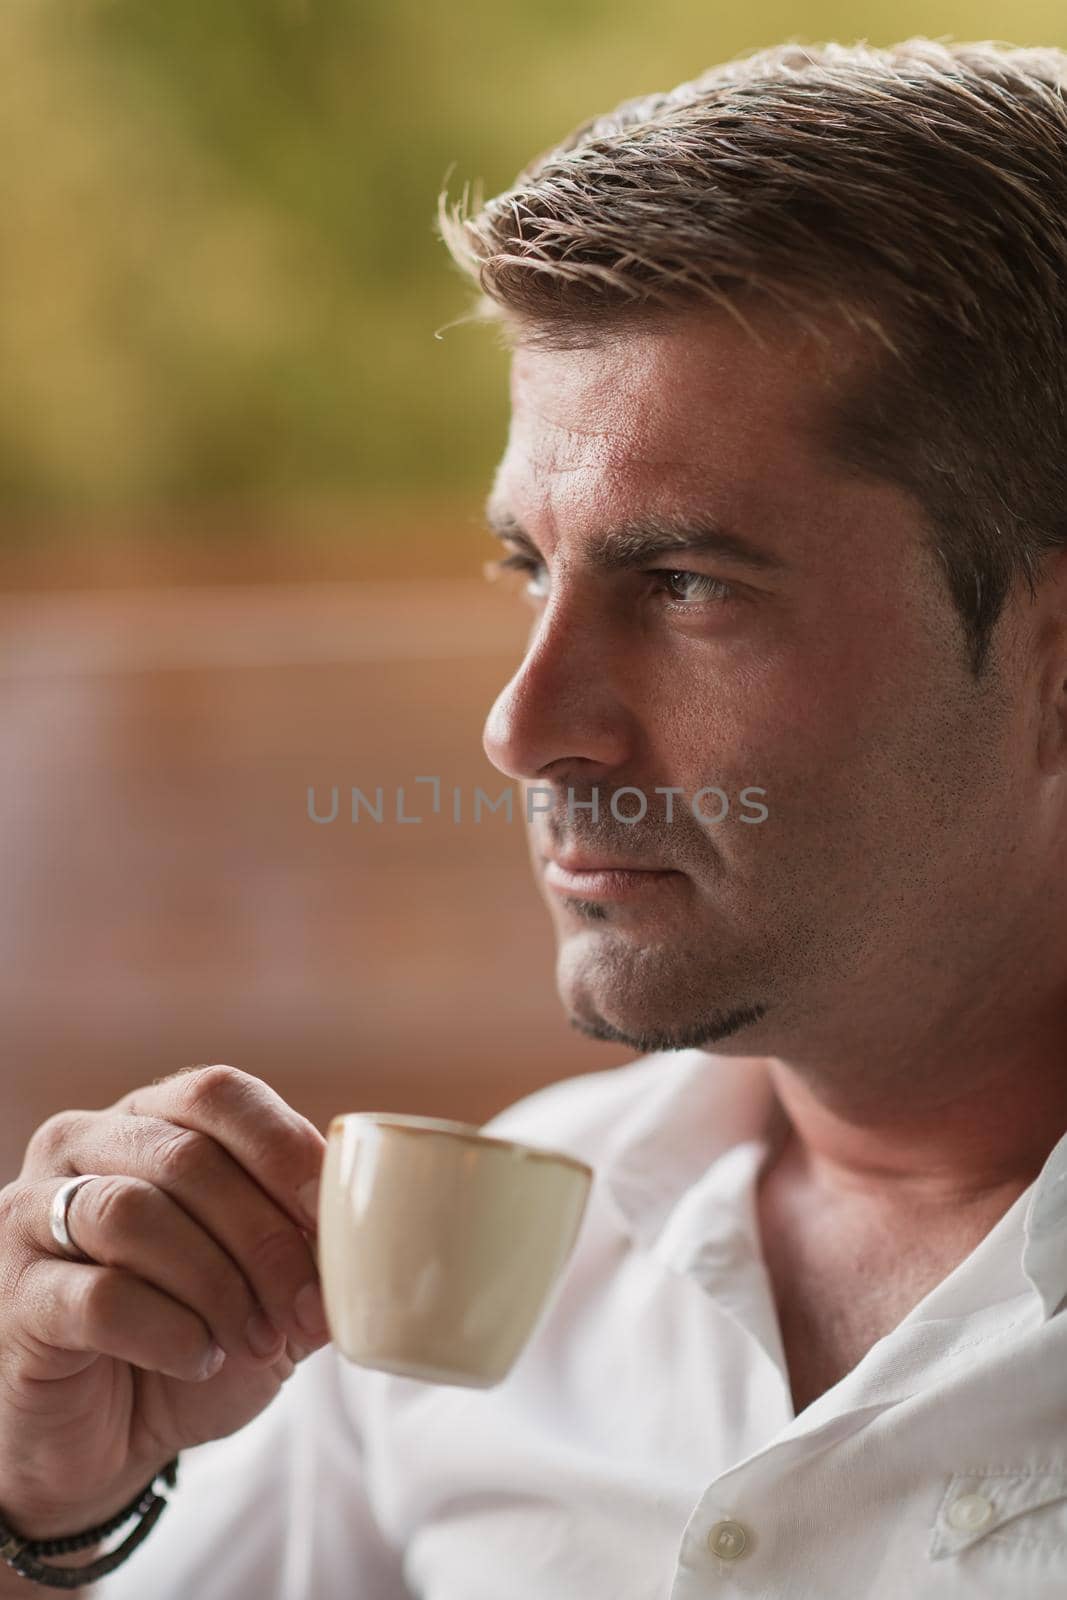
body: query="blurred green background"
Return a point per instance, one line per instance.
(221, 283)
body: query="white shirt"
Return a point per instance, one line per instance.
(645, 1447)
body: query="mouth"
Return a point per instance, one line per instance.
(596, 878)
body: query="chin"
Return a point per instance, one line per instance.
(649, 1010)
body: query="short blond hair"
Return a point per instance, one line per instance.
(919, 190)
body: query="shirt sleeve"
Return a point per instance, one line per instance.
(276, 1511)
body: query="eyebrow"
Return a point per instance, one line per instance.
(633, 543)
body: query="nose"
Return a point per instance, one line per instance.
(565, 702)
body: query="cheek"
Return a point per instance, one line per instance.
(808, 731)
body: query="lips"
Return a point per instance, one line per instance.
(590, 877)
(575, 861)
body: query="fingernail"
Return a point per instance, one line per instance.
(212, 1362)
(309, 1199)
(262, 1336)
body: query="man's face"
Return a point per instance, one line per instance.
(830, 676)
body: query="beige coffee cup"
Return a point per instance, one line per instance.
(439, 1245)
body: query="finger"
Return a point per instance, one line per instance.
(280, 1149)
(219, 1195)
(124, 1222)
(67, 1305)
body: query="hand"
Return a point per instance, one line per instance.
(198, 1238)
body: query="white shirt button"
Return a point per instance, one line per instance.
(970, 1511)
(727, 1540)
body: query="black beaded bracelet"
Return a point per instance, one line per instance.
(21, 1554)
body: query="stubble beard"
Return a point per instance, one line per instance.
(639, 982)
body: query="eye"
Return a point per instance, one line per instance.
(536, 588)
(696, 588)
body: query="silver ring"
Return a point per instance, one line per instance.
(60, 1208)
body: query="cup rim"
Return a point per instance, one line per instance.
(405, 1123)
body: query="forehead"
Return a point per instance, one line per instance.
(674, 418)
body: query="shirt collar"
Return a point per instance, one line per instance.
(699, 1106)
(696, 1108)
(1045, 1230)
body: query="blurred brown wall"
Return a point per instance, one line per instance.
(168, 900)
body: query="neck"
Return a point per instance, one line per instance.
(962, 1125)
